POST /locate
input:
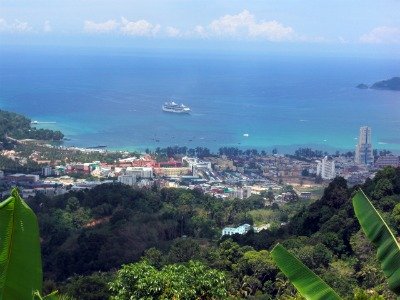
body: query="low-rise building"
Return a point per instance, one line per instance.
(305, 195)
(22, 178)
(140, 172)
(196, 164)
(172, 171)
(87, 185)
(262, 227)
(127, 179)
(241, 192)
(242, 229)
(387, 161)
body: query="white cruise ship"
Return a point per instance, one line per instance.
(175, 108)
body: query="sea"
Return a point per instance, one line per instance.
(113, 98)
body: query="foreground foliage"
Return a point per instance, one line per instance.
(177, 281)
(80, 230)
(306, 282)
(20, 259)
(376, 229)
(388, 252)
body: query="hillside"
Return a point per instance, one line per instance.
(101, 229)
(327, 236)
(392, 84)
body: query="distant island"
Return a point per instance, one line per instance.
(362, 86)
(392, 84)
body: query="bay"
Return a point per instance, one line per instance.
(114, 98)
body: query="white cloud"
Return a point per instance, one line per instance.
(104, 27)
(16, 26)
(139, 28)
(272, 31)
(200, 31)
(19, 26)
(245, 24)
(3, 25)
(382, 35)
(47, 27)
(232, 24)
(173, 32)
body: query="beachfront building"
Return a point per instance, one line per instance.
(326, 168)
(364, 155)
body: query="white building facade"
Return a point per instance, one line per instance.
(127, 179)
(140, 172)
(242, 229)
(326, 168)
(47, 171)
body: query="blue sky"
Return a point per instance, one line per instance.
(358, 26)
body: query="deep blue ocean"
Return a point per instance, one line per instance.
(114, 98)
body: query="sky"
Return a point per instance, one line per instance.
(341, 26)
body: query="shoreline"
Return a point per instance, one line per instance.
(282, 149)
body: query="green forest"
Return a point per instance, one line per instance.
(116, 242)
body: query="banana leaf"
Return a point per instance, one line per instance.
(20, 260)
(309, 285)
(377, 231)
(52, 296)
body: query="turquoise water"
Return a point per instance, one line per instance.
(284, 102)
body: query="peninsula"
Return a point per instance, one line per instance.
(392, 84)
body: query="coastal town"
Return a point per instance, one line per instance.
(231, 173)
(193, 150)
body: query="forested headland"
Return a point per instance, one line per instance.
(19, 127)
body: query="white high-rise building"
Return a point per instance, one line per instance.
(364, 153)
(326, 168)
(47, 171)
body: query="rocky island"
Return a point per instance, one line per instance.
(392, 84)
(362, 86)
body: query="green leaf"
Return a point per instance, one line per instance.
(308, 284)
(20, 261)
(37, 296)
(52, 296)
(377, 231)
